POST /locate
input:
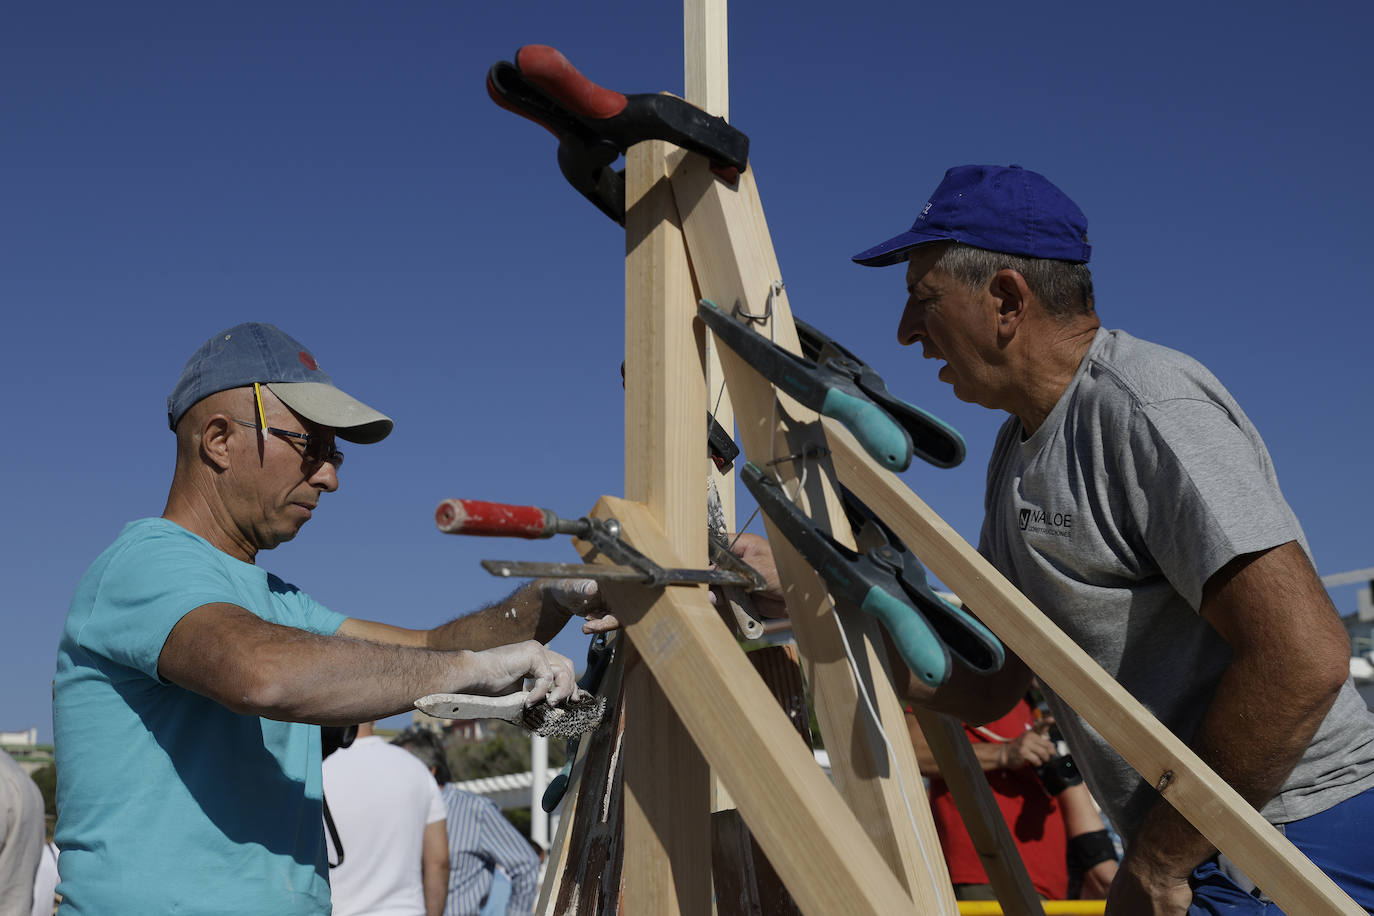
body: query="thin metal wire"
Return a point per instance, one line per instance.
(891, 752)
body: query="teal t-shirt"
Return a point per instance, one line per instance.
(169, 802)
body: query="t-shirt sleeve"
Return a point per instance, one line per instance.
(143, 593)
(438, 811)
(302, 611)
(1201, 492)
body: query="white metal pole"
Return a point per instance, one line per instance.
(539, 767)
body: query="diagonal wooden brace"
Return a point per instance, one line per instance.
(794, 812)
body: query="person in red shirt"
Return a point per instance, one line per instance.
(1009, 749)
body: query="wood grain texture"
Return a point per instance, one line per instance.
(667, 782)
(706, 55)
(733, 261)
(817, 845)
(961, 771)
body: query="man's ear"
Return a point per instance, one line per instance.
(214, 440)
(1013, 297)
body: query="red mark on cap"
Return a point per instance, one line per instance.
(308, 361)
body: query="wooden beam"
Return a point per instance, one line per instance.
(706, 53)
(1164, 761)
(961, 771)
(590, 852)
(706, 77)
(733, 261)
(667, 782)
(746, 882)
(823, 854)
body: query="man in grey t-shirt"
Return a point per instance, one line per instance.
(1131, 499)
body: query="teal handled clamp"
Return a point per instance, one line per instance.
(888, 582)
(843, 388)
(932, 439)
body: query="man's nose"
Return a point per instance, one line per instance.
(326, 477)
(911, 327)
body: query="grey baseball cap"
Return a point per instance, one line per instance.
(257, 352)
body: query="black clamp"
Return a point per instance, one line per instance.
(595, 126)
(884, 580)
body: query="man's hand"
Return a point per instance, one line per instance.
(582, 597)
(1031, 748)
(755, 551)
(1142, 888)
(501, 670)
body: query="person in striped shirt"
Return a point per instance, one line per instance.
(480, 838)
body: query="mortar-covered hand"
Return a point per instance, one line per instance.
(756, 551)
(503, 669)
(583, 598)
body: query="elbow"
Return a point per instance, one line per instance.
(1326, 666)
(1331, 676)
(261, 685)
(259, 695)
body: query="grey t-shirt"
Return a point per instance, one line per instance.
(1144, 480)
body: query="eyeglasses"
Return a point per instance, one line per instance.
(317, 449)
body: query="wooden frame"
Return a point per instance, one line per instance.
(865, 844)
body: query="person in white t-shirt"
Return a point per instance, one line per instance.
(390, 822)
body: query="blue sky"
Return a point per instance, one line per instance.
(170, 169)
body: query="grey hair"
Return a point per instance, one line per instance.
(1065, 288)
(426, 745)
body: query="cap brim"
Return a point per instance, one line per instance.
(326, 405)
(895, 249)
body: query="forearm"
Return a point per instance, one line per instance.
(435, 890)
(528, 613)
(1080, 814)
(340, 681)
(434, 867)
(254, 667)
(1289, 662)
(990, 755)
(1255, 730)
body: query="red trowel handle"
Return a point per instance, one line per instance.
(473, 516)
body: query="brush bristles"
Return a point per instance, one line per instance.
(573, 718)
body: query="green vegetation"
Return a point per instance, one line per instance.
(506, 751)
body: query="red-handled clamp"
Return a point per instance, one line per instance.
(595, 126)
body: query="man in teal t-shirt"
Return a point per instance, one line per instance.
(190, 682)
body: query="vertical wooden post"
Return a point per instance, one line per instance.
(706, 81)
(667, 782)
(706, 55)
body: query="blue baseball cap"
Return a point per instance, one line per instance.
(998, 208)
(256, 352)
